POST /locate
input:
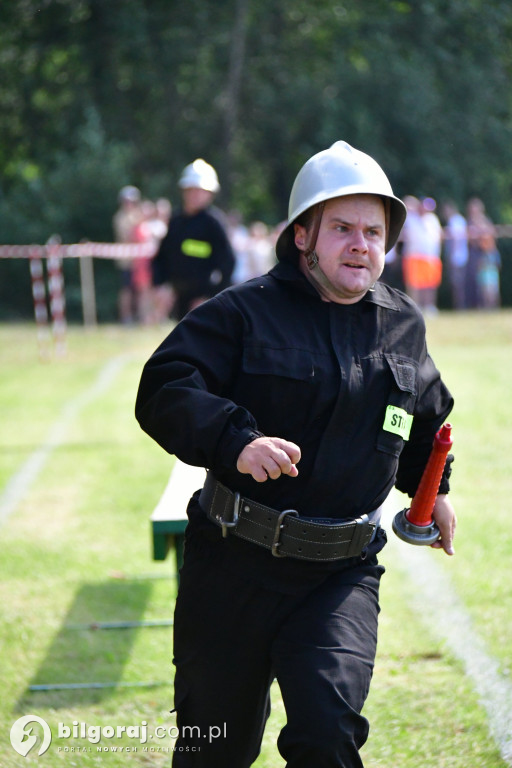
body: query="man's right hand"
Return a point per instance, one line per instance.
(269, 457)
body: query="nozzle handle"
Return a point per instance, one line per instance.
(422, 506)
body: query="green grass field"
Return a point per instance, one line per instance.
(76, 550)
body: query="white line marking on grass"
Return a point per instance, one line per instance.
(438, 604)
(23, 479)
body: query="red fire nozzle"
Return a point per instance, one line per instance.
(415, 525)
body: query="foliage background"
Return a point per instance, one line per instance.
(95, 95)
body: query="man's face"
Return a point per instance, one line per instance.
(351, 246)
(195, 199)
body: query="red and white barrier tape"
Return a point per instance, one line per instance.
(77, 250)
(53, 252)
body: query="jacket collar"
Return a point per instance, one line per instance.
(381, 294)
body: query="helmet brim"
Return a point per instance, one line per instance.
(285, 245)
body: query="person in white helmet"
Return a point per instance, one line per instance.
(195, 259)
(283, 388)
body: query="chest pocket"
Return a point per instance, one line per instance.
(402, 395)
(287, 363)
(287, 379)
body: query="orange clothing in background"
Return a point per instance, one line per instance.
(422, 271)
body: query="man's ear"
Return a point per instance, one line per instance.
(300, 234)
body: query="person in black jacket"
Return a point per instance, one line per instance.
(195, 259)
(284, 388)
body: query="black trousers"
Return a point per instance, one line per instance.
(232, 638)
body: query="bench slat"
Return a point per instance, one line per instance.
(169, 518)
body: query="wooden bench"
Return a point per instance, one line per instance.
(169, 518)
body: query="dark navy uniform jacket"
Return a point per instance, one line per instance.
(343, 382)
(195, 251)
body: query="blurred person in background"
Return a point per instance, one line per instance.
(239, 238)
(124, 223)
(151, 229)
(195, 259)
(261, 256)
(163, 213)
(489, 275)
(421, 259)
(456, 251)
(411, 239)
(484, 262)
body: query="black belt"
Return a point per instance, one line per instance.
(284, 533)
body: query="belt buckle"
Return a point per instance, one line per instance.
(277, 531)
(226, 524)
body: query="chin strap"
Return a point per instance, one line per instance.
(311, 256)
(387, 213)
(310, 252)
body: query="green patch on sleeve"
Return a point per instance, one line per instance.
(398, 421)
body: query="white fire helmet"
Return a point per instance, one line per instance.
(339, 171)
(200, 175)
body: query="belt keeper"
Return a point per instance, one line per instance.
(362, 524)
(227, 524)
(277, 531)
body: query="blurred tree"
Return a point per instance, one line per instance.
(95, 95)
